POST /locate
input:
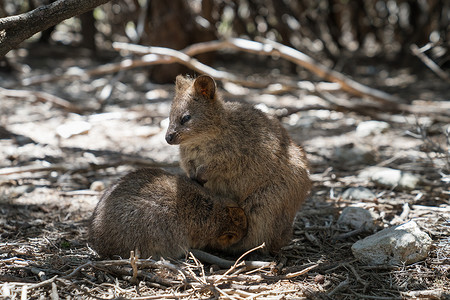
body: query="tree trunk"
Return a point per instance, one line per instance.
(173, 25)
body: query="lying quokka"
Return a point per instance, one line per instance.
(163, 215)
(236, 150)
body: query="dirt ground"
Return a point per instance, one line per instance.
(54, 164)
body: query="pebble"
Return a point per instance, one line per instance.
(367, 128)
(391, 177)
(358, 193)
(402, 244)
(97, 186)
(355, 218)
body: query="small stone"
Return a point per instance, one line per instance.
(371, 128)
(391, 177)
(355, 218)
(358, 193)
(402, 244)
(97, 186)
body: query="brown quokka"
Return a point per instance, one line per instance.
(160, 214)
(238, 151)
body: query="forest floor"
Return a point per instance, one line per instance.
(54, 164)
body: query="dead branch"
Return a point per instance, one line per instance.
(429, 62)
(15, 29)
(41, 97)
(270, 48)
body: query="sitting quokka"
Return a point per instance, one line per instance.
(239, 151)
(160, 214)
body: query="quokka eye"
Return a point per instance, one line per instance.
(185, 119)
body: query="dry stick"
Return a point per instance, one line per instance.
(133, 259)
(23, 294)
(54, 294)
(339, 287)
(224, 263)
(41, 97)
(405, 213)
(238, 262)
(346, 235)
(43, 283)
(302, 272)
(358, 278)
(429, 62)
(77, 270)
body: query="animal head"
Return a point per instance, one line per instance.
(194, 109)
(233, 227)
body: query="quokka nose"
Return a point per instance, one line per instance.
(170, 137)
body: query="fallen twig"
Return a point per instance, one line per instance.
(302, 272)
(133, 259)
(43, 283)
(41, 97)
(346, 235)
(342, 285)
(224, 263)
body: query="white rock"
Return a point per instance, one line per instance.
(356, 217)
(73, 128)
(97, 186)
(405, 243)
(371, 128)
(358, 193)
(391, 177)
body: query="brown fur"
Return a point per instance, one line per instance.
(239, 151)
(160, 214)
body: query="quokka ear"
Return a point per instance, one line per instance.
(238, 217)
(205, 86)
(182, 83)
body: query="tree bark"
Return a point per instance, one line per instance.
(15, 29)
